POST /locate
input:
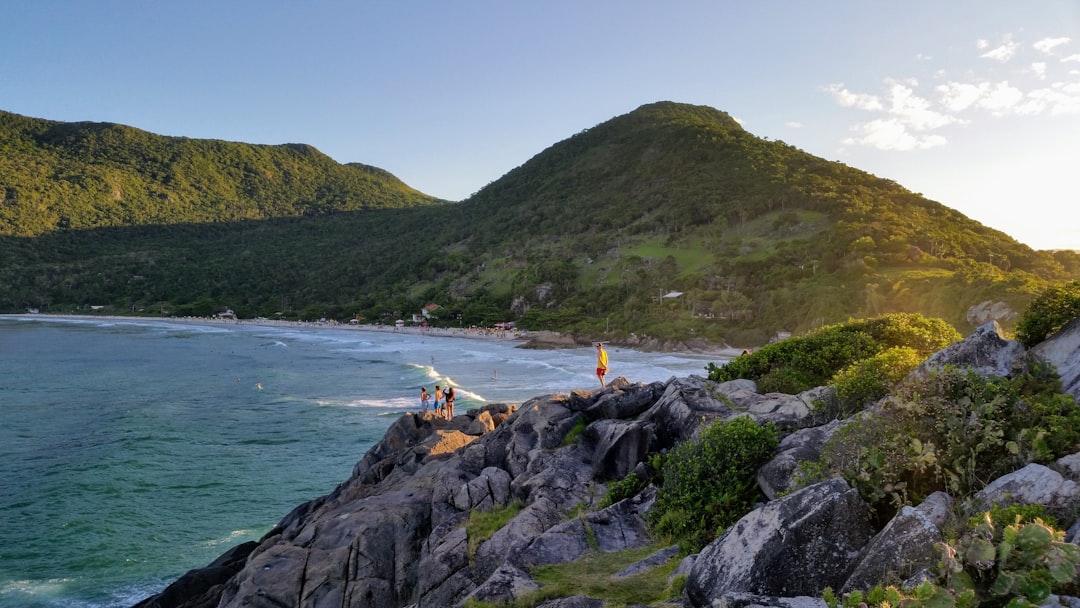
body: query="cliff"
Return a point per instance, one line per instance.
(395, 533)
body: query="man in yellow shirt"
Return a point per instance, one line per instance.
(601, 363)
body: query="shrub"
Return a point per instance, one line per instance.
(1017, 565)
(804, 362)
(953, 431)
(872, 378)
(1048, 312)
(708, 482)
(620, 490)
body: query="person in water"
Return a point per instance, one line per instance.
(450, 402)
(601, 363)
(425, 400)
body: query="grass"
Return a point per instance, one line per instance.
(482, 525)
(592, 575)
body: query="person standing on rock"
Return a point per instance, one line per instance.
(450, 402)
(601, 363)
(438, 400)
(425, 399)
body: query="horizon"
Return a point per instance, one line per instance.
(974, 105)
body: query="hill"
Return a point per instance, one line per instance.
(589, 236)
(70, 176)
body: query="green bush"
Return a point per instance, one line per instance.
(872, 378)
(1048, 312)
(804, 362)
(708, 482)
(953, 431)
(625, 488)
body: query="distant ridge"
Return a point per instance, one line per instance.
(57, 176)
(758, 237)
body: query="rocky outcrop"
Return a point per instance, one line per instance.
(986, 350)
(816, 532)
(1063, 350)
(904, 547)
(394, 534)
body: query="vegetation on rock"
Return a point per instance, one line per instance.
(992, 565)
(953, 431)
(1048, 312)
(863, 358)
(708, 483)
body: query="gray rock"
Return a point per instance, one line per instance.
(816, 532)
(505, 585)
(750, 600)
(1034, 484)
(685, 404)
(624, 400)
(986, 350)
(488, 490)
(659, 558)
(904, 547)
(1069, 466)
(805, 445)
(1063, 350)
(574, 601)
(620, 446)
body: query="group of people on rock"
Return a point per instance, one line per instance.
(444, 401)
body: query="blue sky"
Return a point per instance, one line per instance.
(973, 103)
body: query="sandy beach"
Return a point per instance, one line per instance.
(525, 338)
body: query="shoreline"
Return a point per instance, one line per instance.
(541, 340)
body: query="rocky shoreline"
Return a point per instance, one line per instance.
(394, 533)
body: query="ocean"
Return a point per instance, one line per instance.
(134, 450)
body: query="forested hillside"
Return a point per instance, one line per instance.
(61, 176)
(755, 236)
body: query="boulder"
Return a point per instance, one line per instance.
(685, 404)
(1063, 350)
(805, 445)
(1034, 484)
(574, 601)
(749, 600)
(486, 491)
(1069, 466)
(986, 350)
(816, 532)
(505, 585)
(620, 446)
(624, 400)
(904, 547)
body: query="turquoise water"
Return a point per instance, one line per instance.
(133, 451)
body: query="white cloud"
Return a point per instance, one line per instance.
(1047, 45)
(915, 111)
(959, 96)
(981, 44)
(1075, 57)
(1039, 69)
(794, 124)
(1001, 53)
(892, 134)
(848, 99)
(1000, 98)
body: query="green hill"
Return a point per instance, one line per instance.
(61, 176)
(756, 236)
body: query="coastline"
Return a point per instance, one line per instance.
(540, 340)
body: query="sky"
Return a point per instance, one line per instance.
(972, 103)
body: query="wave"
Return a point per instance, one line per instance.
(395, 403)
(230, 538)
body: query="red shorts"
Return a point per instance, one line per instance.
(600, 371)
